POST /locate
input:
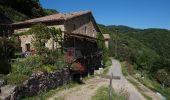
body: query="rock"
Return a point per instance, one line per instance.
(2, 82)
(6, 92)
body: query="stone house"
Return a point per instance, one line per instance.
(106, 39)
(79, 33)
(78, 24)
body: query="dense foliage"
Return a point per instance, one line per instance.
(156, 39)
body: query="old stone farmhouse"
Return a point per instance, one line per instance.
(79, 31)
(80, 24)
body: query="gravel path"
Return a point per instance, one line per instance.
(123, 86)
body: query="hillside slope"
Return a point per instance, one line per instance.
(145, 53)
(156, 39)
(18, 10)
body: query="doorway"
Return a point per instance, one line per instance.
(27, 46)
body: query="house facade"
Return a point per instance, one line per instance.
(79, 33)
(81, 24)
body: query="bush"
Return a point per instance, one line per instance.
(124, 69)
(5, 67)
(45, 68)
(25, 66)
(163, 77)
(108, 63)
(16, 78)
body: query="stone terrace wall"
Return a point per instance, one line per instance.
(41, 82)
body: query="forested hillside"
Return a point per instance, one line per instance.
(18, 10)
(146, 52)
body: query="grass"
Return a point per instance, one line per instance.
(139, 89)
(155, 86)
(124, 69)
(103, 94)
(108, 62)
(108, 65)
(125, 73)
(46, 95)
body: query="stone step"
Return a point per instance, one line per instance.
(6, 91)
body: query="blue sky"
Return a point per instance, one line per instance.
(133, 13)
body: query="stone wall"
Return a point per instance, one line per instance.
(27, 39)
(40, 82)
(81, 25)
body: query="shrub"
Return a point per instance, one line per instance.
(16, 78)
(108, 63)
(22, 69)
(5, 67)
(49, 68)
(25, 66)
(78, 67)
(163, 77)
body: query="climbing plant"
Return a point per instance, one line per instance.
(101, 46)
(56, 35)
(41, 35)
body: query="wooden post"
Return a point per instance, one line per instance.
(110, 87)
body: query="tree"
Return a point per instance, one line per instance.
(7, 50)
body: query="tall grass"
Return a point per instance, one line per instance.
(103, 94)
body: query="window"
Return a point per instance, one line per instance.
(85, 30)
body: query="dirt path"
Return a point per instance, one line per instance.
(123, 86)
(82, 92)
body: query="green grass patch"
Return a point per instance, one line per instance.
(103, 94)
(108, 62)
(139, 89)
(108, 65)
(155, 86)
(124, 69)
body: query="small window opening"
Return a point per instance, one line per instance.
(27, 46)
(85, 30)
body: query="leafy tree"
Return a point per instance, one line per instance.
(42, 34)
(7, 50)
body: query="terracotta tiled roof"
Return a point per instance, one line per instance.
(54, 17)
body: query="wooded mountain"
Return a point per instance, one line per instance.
(156, 39)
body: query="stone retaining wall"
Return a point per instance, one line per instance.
(41, 82)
